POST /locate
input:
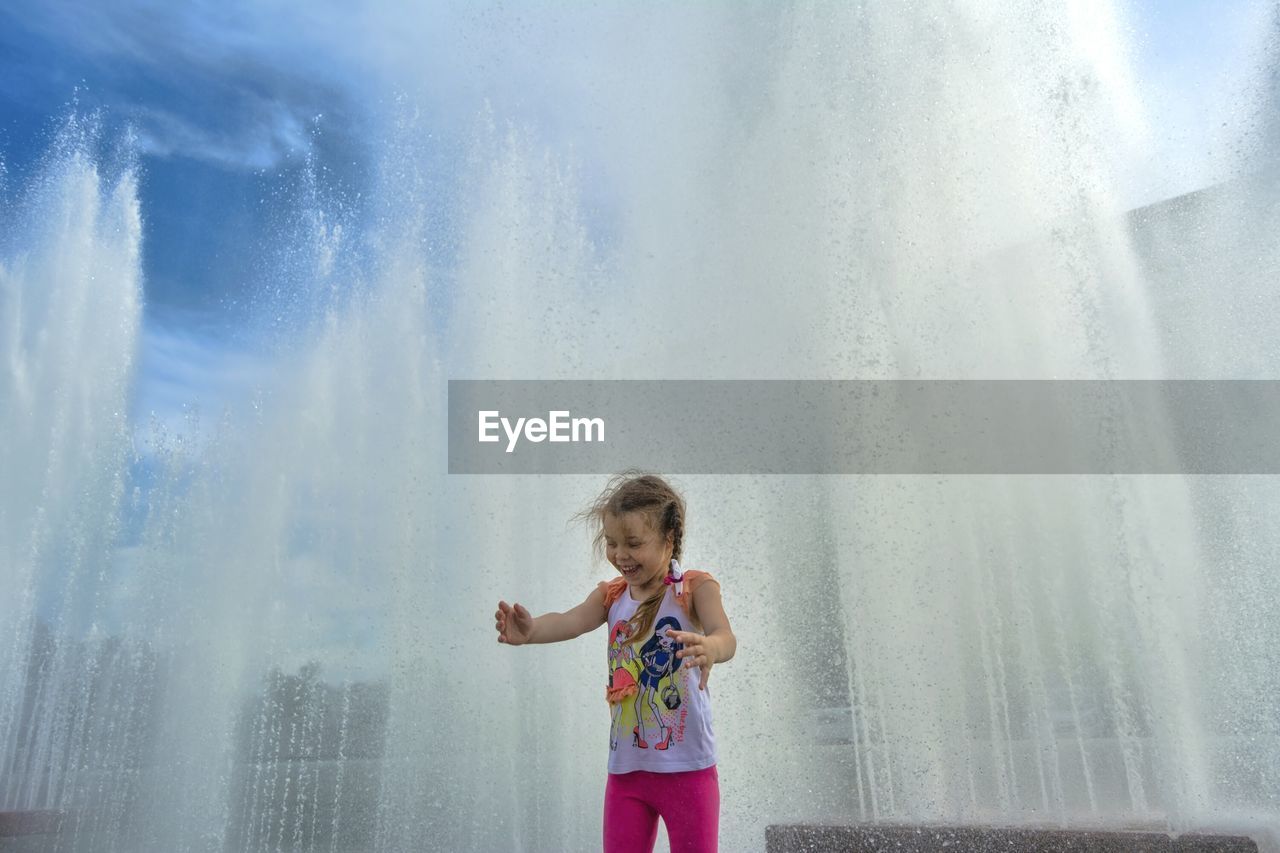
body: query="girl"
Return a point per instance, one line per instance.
(669, 629)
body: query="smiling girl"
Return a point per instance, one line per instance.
(668, 629)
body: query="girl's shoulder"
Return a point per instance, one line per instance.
(694, 579)
(612, 590)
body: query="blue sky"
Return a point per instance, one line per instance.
(235, 104)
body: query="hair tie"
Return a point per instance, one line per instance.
(675, 577)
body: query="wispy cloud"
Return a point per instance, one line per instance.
(268, 134)
(235, 84)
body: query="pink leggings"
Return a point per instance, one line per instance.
(689, 803)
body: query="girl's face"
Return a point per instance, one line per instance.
(637, 551)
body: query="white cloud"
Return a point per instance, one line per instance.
(270, 133)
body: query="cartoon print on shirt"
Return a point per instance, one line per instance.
(622, 681)
(650, 675)
(658, 655)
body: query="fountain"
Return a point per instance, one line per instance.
(271, 633)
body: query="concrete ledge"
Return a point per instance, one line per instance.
(14, 824)
(874, 838)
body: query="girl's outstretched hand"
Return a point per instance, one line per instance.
(514, 624)
(695, 653)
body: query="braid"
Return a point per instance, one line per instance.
(673, 520)
(676, 510)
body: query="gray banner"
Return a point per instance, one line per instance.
(864, 426)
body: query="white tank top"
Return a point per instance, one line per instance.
(661, 721)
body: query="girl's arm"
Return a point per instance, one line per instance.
(516, 626)
(715, 622)
(717, 644)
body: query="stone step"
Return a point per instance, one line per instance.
(14, 824)
(868, 838)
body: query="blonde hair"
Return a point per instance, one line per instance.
(634, 490)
